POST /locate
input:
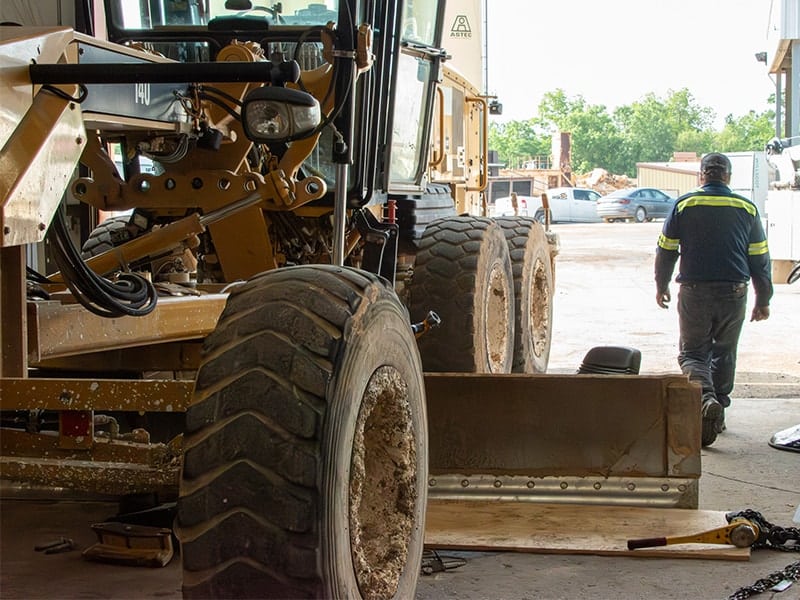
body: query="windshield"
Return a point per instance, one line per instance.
(408, 144)
(419, 21)
(156, 14)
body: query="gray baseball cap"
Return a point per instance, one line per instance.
(716, 164)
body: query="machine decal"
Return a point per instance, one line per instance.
(461, 28)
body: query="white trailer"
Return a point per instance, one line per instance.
(783, 201)
(783, 208)
(751, 177)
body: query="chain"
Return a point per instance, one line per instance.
(774, 538)
(790, 573)
(770, 536)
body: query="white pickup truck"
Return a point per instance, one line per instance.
(577, 205)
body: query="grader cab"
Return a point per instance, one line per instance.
(228, 234)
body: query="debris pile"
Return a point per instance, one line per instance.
(604, 182)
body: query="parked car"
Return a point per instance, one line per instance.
(575, 205)
(638, 204)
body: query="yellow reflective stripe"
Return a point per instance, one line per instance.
(668, 243)
(758, 248)
(716, 201)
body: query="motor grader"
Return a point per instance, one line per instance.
(245, 263)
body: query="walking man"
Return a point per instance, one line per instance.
(721, 243)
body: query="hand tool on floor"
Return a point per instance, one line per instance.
(741, 533)
(62, 544)
(433, 562)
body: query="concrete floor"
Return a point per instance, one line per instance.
(605, 296)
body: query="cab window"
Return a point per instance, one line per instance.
(586, 195)
(419, 21)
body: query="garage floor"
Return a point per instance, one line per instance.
(604, 276)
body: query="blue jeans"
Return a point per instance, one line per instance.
(710, 316)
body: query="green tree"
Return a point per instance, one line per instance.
(749, 132)
(653, 126)
(699, 142)
(555, 107)
(595, 139)
(651, 129)
(517, 141)
(684, 114)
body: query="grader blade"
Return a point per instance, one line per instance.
(587, 439)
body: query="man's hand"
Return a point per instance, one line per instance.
(760, 313)
(663, 298)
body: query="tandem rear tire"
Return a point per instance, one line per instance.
(533, 293)
(463, 273)
(305, 458)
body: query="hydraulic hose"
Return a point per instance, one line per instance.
(130, 294)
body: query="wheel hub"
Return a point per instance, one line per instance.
(383, 477)
(498, 320)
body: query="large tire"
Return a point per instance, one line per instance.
(533, 293)
(305, 458)
(463, 273)
(641, 214)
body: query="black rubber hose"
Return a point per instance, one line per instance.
(36, 276)
(130, 295)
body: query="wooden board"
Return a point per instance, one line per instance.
(571, 529)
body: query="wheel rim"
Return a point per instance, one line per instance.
(384, 458)
(497, 319)
(640, 214)
(540, 310)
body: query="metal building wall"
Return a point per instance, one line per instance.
(672, 182)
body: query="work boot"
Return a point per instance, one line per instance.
(713, 416)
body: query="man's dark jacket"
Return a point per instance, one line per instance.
(719, 237)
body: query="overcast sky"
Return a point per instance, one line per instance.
(613, 52)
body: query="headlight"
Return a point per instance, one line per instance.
(274, 114)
